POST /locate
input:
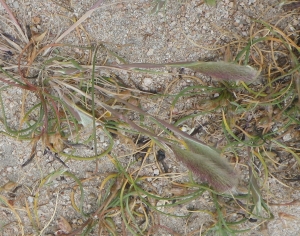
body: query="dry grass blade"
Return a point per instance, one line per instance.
(52, 217)
(76, 24)
(13, 210)
(13, 44)
(79, 22)
(11, 15)
(14, 22)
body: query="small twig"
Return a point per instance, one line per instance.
(54, 156)
(32, 155)
(28, 161)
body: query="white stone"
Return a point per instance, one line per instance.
(30, 199)
(287, 137)
(150, 52)
(102, 138)
(147, 82)
(16, 4)
(39, 153)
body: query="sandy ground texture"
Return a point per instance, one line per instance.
(182, 31)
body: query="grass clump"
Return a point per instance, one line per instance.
(255, 117)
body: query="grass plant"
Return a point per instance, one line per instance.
(256, 114)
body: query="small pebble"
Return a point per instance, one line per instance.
(147, 82)
(287, 137)
(30, 199)
(150, 52)
(16, 5)
(39, 153)
(119, 6)
(102, 138)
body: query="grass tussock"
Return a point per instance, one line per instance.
(255, 102)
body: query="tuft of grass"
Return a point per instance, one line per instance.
(256, 117)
